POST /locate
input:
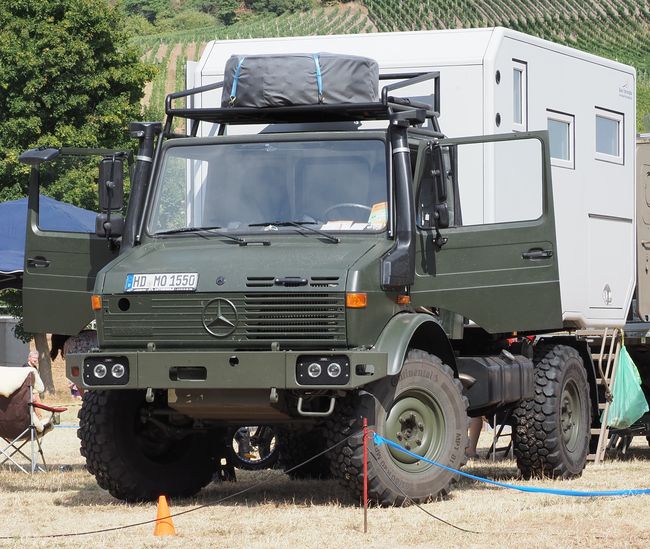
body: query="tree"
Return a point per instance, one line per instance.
(279, 6)
(68, 77)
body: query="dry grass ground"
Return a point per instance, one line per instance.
(318, 514)
(284, 513)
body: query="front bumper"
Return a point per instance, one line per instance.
(225, 369)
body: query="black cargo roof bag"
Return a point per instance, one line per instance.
(299, 79)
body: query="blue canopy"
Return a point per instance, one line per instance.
(53, 216)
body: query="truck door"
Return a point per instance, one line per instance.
(496, 262)
(62, 255)
(643, 228)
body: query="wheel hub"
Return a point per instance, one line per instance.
(416, 423)
(570, 420)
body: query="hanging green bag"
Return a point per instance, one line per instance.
(628, 401)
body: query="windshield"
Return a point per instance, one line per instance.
(333, 185)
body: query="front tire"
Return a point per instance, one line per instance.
(552, 429)
(134, 459)
(421, 409)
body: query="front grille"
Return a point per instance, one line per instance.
(302, 316)
(314, 281)
(298, 319)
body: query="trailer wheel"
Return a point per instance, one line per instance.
(552, 430)
(136, 460)
(423, 410)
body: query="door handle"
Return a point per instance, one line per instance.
(645, 244)
(38, 262)
(537, 253)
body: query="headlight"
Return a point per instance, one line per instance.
(314, 369)
(334, 369)
(118, 370)
(323, 370)
(96, 369)
(99, 370)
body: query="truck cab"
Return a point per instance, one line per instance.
(306, 276)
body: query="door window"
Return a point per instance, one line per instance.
(68, 198)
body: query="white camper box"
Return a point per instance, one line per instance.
(496, 80)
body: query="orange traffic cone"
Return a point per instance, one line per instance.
(164, 524)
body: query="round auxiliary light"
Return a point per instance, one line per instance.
(314, 369)
(334, 369)
(118, 370)
(99, 371)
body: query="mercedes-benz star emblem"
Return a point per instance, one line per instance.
(219, 317)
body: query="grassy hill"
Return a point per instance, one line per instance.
(617, 29)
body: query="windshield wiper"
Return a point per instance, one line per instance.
(300, 225)
(215, 230)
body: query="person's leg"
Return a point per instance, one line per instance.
(36, 399)
(475, 426)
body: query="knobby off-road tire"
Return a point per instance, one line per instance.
(423, 407)
(552, 429)
(297, 446)
(133, 460)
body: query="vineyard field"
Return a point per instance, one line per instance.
(616, 29)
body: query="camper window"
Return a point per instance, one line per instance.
(560, 130)
(519, 96)
(609, 136)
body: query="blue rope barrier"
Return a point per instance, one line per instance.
(379, 440)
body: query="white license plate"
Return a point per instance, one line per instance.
(161, 282)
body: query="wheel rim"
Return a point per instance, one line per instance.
(570, 415)
(416, 422)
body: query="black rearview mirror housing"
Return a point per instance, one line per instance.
(439, 170)
(109, 227)
(439, 174)
(111, 184)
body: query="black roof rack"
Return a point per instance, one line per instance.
(388, 107)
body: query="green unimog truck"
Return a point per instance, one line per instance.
(306, 277)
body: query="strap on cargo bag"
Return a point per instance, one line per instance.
(233, 90)
(319, 77)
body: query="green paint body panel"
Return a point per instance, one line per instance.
(396, 336)
(480, 272)
(56, 298)
(255, 370)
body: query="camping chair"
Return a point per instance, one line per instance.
(19, 424)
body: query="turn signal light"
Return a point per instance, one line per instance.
(403, 299)
(357, 300)
(96, 302)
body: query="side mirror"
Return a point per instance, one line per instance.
(439, 173)
(111, 184)
(109, 227)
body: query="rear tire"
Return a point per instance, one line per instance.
(552, 429)
(423, 409)
(135, 460)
